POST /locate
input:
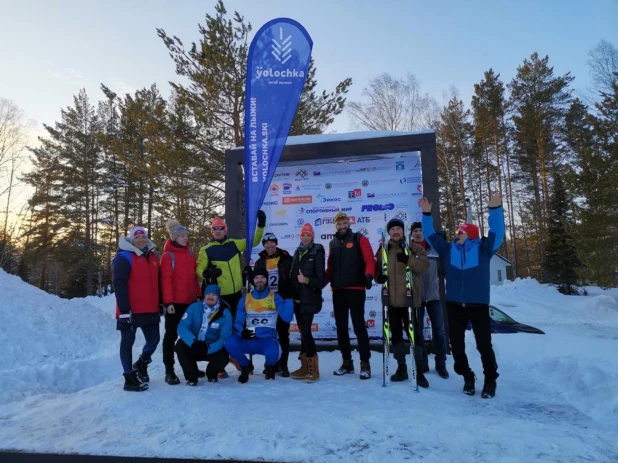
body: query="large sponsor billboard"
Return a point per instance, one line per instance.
(370, 192)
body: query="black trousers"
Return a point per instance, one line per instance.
(352, 302)
(458, 319)
(171, 332)
(283, 334)
(188, 361)
(232, 300)
(304, 321)
(399, 320)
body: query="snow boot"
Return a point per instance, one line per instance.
(469, 380)
(132, 382)
(421, 381)
(302, 371)
(313, 369)
(244, 375)
(201, 373)
(192, 383)
(401, 374)
(442, 371)
(141, 366)
(365, 370)
(236, 364)
(170, 375)
(347, 367)
(283, 365)
(489, 389)
(223, 375)
(270, 372)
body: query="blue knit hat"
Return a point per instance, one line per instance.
(213, 289)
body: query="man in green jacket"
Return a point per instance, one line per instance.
(219, 261)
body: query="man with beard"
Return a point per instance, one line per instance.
(350, 271)
(255, 326)
(400, 259)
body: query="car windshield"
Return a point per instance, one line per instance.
(500, 316)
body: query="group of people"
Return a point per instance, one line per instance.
(212, 316)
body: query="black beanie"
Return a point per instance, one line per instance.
(416, 225)
(259, 271)
(394, 223)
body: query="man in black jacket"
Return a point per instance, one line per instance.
(278, 263)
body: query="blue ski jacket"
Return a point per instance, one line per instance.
(467, 265)
(219, 329)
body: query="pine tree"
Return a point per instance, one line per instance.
(560, 260)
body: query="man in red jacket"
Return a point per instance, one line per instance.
(350, 271)
(135, 271)
(180, 288)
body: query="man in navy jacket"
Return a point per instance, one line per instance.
(466, 263)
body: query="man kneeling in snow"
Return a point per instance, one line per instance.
(256, 326)
(203, 330)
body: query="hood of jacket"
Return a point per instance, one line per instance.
(125, 245)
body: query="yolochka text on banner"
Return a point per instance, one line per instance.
(277, 67)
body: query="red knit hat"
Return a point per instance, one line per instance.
(307, 228)
(219, 222)
(471, 230)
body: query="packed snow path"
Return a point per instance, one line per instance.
(556, 399)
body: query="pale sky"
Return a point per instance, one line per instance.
(51, 49)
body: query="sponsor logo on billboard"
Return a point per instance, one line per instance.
(363, 219)
(373, 168)
(324, 221)
(281, 212)
(365, 183)
(271, 203)
(300, 221)
(392, 194)
(298, 200)
(370, 323)
(331, 173)
(417, 164)
(328, 186)
(287, 188)
(289, 236)
(315, 327)
(278, 224)
(327, 236)
(323, 209)
(373, 207)
(328, 199)
(301, 174)
(355, 193)
(281, 174)
(419, 187)
(274, 189)
(363, 231)
(372, 313)
(297, 188)
(409, 180)
(400, 165)
(401, 215)
(371, 195)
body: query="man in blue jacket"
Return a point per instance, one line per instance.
(466, 262)
(255, 326)
(203, 330)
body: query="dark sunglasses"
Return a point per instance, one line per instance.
(218, 228)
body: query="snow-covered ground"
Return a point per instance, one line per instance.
(557, 398)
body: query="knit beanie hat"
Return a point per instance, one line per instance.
(416, 225)
(175, 229)
(307, 228)
(136, 231)
(394, 223)
(259, 271)
(269, 237)
(471, 230)
(213, 289)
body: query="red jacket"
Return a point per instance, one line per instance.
(179, 285)
(136, 279)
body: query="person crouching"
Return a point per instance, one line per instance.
(255, 326)
(203, 330)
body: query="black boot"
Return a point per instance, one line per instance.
(283, 365)
(469, 379)
(489, 389)
(132, 382)
(401, 374)
(347, 367)
(442, 371)
(244, 374)
(170, 375)
(270, 372)
(421, 381)
(141, 366)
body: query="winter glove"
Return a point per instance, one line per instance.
(401, 257)
(247, 334)
(199, 348)
(213, 272)
(247, 271)
(124, 321)
(368, 280)
(381, 279)
(261, 219)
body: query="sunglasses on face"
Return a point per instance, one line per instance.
(218, 228)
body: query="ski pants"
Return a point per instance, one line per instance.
(352, 302)
(127, 339)
(188, 361)
(399, 320)
(171, 332)
(478, 315)
(283, 334)
(438, 334)
(237, 347)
